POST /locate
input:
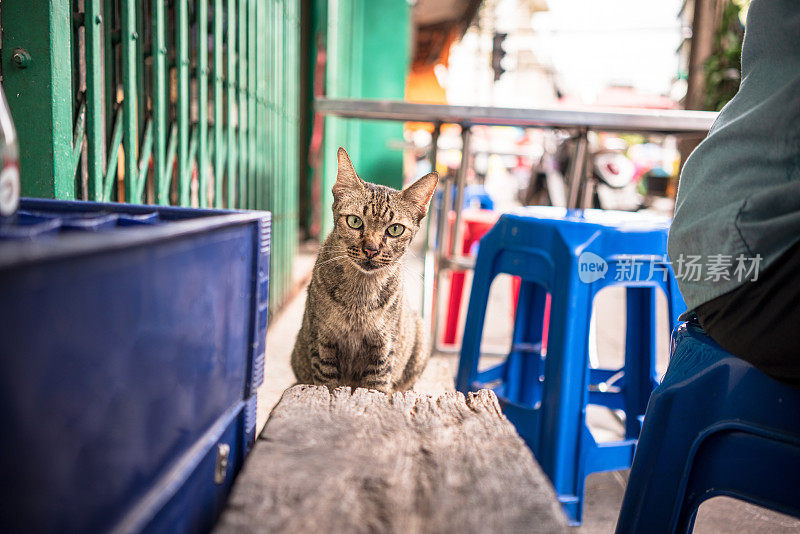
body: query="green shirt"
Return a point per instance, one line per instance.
(738, 200)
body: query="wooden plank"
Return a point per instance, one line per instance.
(368, 462)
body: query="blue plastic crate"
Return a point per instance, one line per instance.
(131, 348)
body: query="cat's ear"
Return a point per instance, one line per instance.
(420, 192)
(346, 177)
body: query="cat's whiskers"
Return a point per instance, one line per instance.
(332, 259)
(407, 269)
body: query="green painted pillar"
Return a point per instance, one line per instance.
(37, 79)
(368, 54)
(385, 58)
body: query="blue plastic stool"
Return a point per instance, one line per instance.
(473, 193)
(715, 426)
(572, 256)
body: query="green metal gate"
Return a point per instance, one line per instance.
(190, 103)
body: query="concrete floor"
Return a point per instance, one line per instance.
(604, 491)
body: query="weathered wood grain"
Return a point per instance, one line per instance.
(368, 462)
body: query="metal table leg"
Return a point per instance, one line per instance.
(428, 253)
(441, 254)
(589, 185)
(576, 171)
(438, 260)
(461, 182)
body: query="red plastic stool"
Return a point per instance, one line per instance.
(476, 223)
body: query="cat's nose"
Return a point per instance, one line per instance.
(370, 250)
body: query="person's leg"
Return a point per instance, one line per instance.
(760, 321)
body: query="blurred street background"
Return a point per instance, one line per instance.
(212, 105)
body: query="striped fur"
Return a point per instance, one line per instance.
(358, 330)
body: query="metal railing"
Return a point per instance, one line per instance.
(190, 103)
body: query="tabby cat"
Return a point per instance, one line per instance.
(358, 329)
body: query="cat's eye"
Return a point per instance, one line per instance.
(354, 222)
(395, 230)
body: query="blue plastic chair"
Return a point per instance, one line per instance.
(571, 255)
(715, 426)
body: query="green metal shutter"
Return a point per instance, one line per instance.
(191, 103)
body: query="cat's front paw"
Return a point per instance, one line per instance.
(384, 385)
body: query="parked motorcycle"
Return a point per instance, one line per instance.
(611, 184)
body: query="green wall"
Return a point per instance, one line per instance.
(384, 65)
(368, 54)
